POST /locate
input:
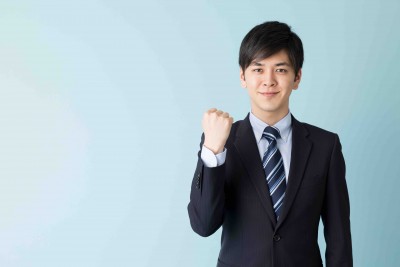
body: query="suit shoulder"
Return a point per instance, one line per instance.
(316, 129)
(234, 129)
(236, 124)
(319, 133)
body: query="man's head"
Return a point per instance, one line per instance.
(268, 38)
(271, 57)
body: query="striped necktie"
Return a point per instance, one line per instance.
(274, 169)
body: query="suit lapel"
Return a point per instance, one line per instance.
(301, 148)
(246, 145)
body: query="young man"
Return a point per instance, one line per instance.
(268, 179)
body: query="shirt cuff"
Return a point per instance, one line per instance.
(211, 160)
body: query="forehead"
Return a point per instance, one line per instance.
(280, 58)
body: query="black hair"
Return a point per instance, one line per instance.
(268, 38)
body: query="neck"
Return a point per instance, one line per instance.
(271, 118)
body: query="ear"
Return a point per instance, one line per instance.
(297, 79)
(242, 78)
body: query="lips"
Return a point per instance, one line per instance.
(268, 93)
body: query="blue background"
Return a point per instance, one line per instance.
(100, 121)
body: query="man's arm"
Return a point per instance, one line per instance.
(207, 196)
(336, 212)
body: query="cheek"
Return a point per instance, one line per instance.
(253, 82)
(287, 85)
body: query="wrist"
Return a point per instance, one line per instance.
(215, 149)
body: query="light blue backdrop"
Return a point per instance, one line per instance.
(100, 121)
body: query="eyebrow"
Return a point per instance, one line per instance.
(283, 63)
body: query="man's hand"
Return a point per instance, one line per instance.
(216, 126)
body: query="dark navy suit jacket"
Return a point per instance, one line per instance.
(235, 196)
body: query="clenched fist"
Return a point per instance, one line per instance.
(216, 126)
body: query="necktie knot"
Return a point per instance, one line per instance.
(271, 133)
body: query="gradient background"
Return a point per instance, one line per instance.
(100, 121)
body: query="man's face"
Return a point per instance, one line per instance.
(269, 83)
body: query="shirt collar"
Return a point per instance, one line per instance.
(284, 125)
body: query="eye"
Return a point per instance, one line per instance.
(281, 70)
(257, 70)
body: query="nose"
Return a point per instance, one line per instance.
(269, 79)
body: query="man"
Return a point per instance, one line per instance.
(268, 179)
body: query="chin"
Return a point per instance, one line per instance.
(269, 109)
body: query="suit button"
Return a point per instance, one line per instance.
(277, 238)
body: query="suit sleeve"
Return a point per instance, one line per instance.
(207, 197)
(336, 212)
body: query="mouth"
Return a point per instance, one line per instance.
(268, 94)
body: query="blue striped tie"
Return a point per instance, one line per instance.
(274, 169)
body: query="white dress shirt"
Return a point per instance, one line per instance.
(284, 143)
